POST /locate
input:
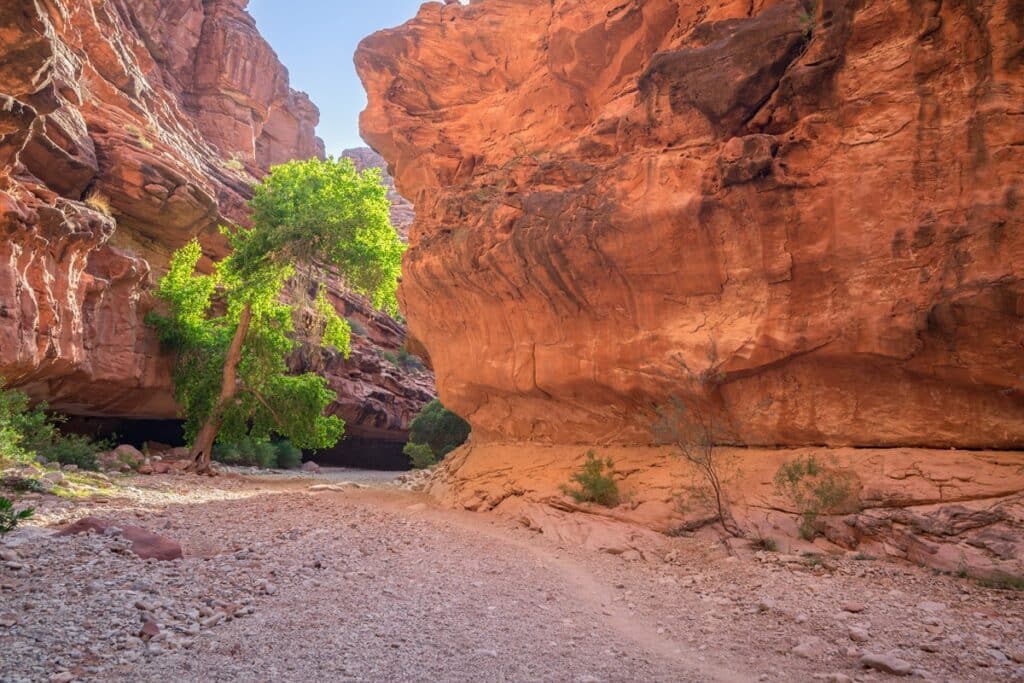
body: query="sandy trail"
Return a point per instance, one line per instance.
(378, 584)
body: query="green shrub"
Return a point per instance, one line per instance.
(814, 490)
(74, 449)
(9, 518)
(27, 431)
(247, 452)
(420, 455)
(228, 453)
(265, 455)
(288, 456)
(593, 483)
(439, 428)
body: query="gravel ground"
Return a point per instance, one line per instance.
(281, 583)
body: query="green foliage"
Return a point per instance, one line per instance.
(310, 217)
(249, 452)
(814, 490)
(326, 212)
(420, 455)
(288, 456)
(594, 482)
(28, 431)
(9, 517)
(439, 428)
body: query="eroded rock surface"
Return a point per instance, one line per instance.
(805, 216)
(166, 111)
(820, 206)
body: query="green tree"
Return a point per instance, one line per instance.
(234, 329)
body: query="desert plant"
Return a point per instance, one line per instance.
(813, 490)
(695, 427)
(97, 201)
(420, 455)
(439, 428)
(693, 432)
(75, 449)
(140, 137)
(288, 456)
(594, 482)
(234, 163)
(10, 518)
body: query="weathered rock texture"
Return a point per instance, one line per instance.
(168, 110)
(819, 208)
(807, 216)
(402, 211)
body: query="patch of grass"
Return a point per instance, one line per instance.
(143, 141)
(235, 164)
(864, 557)
(97, 201)
(1002, 582)
(594, 482)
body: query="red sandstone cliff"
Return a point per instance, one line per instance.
(821, 208)
(168, 109)
(813, 204)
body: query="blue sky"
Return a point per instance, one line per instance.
(316, 40)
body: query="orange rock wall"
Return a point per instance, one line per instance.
(820, 204)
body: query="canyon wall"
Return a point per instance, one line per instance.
(126, 129)
(617, 202)
(804, 219)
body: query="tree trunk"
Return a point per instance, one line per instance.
(202, 448)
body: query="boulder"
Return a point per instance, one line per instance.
(145, 544)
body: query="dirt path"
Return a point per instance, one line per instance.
(281, 583)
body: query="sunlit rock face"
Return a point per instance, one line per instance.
(818, 206)
(168, 109)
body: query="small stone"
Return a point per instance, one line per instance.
(54, 476)
(62, 677)
(1016, 655)
(810, 647)
(888, 663)
(9, 555)
(833, 678)
(859, 635)
(8, 620)
(149, 630)
(854, 607)
(800, 619)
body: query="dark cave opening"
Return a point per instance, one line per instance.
(364, 453)
(352, 451)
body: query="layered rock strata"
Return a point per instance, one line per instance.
(804, 217)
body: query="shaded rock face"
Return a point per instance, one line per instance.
(402, 211)
(168, 110)
(819, 205)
